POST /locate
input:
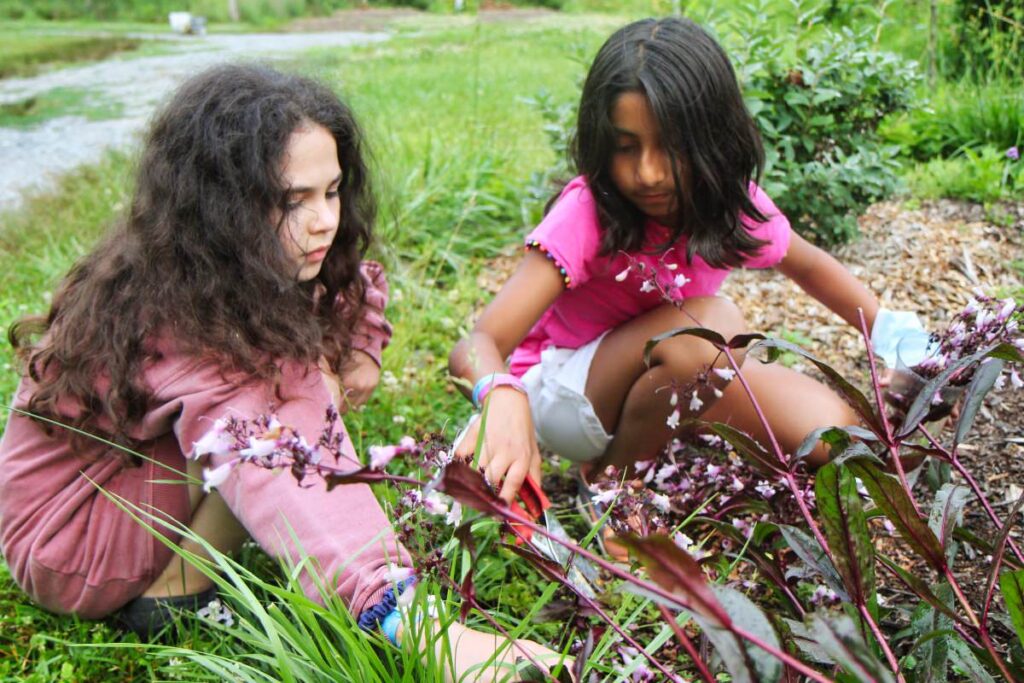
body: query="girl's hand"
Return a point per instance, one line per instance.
(470, 649)
(358, 381)
(509, 451)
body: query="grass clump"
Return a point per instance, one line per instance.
(25, 55)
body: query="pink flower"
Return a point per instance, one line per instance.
(1013, 153)
(680, 280)
(673, 419)
(454, 517)
(407, 443)
(380, 456)
(217, 441)
(259, 448)
(647, 286)
(623, 275)
(661, 502)
(217, 476)
(605, 497)
(695, 403)
(725, 373)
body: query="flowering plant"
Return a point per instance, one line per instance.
(790, 576)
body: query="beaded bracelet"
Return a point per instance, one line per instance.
(496, 379)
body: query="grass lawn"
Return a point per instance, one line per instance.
(23, 53)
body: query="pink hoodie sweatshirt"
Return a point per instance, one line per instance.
(73, 550)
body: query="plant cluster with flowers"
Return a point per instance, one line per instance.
(812, 560)
(694, 478)
(984, 323)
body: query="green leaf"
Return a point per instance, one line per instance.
(749, 449)
(846, 529)
(917, 584)
(744, 661)
(934, 630)
(673, 569)
(981, 384)
(1012, 586)
(922, 403)
(889, 495)
(966, 661)
(837, 634)
(947, 511)
(813, 555)
(852, 394)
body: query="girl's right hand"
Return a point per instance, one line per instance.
(509, 450)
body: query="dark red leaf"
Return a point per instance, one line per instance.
(673, 569)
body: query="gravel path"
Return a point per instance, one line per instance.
(31, 158)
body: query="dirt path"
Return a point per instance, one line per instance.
(31, 158)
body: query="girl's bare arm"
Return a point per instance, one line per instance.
(828, 281)
(509, 448)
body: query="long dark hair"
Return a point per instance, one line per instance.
(198, 259)
(705, 127)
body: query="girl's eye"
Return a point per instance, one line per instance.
(331, 194)
(625, 149)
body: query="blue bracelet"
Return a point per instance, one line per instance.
(479, 386)
(389, 625)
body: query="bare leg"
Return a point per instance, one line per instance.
(213, 521)
(632, 401)
(794, 404)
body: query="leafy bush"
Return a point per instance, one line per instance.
(984, 176)
(958, 117)
(818, 98)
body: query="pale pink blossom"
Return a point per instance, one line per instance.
(695, 403)
(623, 275)
(454, 517)
(661, 502)
(673, 419)
(680, 280)
(725, 373)
(216, 441)
(407, 443)
(605, 497)
(380, 456)
(259, 448)
(1015, 380)
(647, 286)
(212, 478)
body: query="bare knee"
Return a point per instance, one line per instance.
(686, 354)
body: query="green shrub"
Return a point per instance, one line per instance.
(962, 116)
(982, 176)
(818, 98)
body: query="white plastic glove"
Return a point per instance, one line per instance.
(899, 335)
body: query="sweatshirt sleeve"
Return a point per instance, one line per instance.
(373, 332)
(344, 532)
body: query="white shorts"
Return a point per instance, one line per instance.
(563, 417)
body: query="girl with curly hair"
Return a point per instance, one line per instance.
(235, 286)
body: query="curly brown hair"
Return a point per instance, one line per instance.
(198, 258)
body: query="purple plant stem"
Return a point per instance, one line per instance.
(655, 589)
(805, 511)
(890, 443)
(880, 637)
(954, 460)
(687, 644)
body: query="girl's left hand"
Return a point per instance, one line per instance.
(359, 379)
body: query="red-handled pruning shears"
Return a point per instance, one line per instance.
(536, 506)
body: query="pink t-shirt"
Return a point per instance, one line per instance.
(594, 301)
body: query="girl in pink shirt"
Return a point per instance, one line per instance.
(668, 156)
(234, 287)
